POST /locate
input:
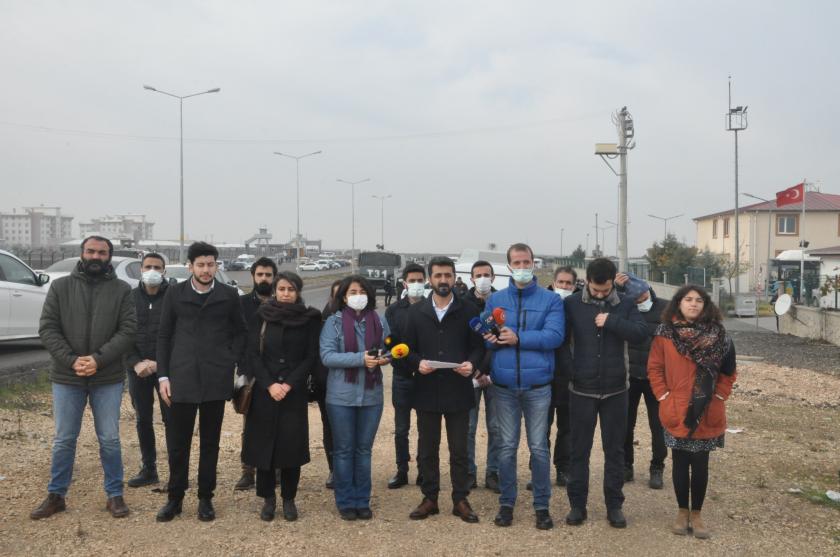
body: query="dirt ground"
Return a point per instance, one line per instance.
(791, 429)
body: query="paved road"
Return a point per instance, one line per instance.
(20, 357)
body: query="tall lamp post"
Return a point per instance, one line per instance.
(181, 111)
(665, 220)
(353, 215)
(769, 236)
(382, 199)
(297, 182)
(736, 120)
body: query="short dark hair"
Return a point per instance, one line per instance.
(600, 270)
(369, 289)
(519, 246)
(153, 255)
(413, 268)
(98, 239)
(264, 262)
(440, 262)
(482, 263)
(200, 249)
(710, 313)
(566, 269)
(292, 278)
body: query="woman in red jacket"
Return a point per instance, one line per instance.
(691, 370)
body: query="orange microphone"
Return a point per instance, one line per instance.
(499, 316)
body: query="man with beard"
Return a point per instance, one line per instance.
(88, 324)
(263, 272)
(599, 322)
(438, 329)
(201, 337)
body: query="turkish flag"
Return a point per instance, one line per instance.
(794, 194)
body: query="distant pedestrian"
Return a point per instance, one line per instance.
(460, 288)
(389, 291)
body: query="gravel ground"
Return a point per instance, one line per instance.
(789, 420)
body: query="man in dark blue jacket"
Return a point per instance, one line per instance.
(599, 324)
(522, 371)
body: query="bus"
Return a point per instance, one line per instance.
(379, 266)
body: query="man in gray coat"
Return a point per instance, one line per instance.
(88, 324)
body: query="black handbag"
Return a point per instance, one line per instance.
(243, 387)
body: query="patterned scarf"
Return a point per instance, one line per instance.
(706, 344)
(373, 339)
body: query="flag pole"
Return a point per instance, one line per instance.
(802, 247)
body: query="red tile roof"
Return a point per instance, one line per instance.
(814, 201)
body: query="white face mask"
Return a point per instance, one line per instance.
(645, 306)
(152, 277)
(522, 276)
(564, 293)
(415, 289)
(483, 284)
(357, 301)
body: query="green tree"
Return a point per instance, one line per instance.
(579, 253)
(672, 257)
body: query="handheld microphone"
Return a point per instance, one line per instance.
(499, 316)
(478, 326)
(489, 323)
(602, 306)
(397, 352)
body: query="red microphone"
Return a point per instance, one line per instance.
(499, 316)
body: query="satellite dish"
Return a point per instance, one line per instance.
(783, 304)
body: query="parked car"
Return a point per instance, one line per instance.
(127, 269)
(22, 295)
(180, 273)
(312, 266)
(239, 265)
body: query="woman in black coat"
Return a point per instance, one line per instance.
(282, 350)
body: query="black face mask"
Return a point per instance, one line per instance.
(442, 290)
(263, 288)
(94, 267)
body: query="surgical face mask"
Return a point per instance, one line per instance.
(645, 306)
(522, 276)
(564, 293)
(357, 301)
(263, 288)
(152, 277)
(483, 284)
(415, 289)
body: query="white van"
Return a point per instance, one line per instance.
(498, 259)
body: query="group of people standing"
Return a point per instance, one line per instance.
(553, 354)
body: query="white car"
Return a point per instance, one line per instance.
(22, 295)
(127, 269)
(310, 267)
(180, 273)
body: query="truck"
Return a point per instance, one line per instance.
(379, 266)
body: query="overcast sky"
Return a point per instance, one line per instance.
(479, 118)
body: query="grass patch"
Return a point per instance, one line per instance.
(26, 395)
(818, 498)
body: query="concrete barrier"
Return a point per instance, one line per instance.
(815, 323)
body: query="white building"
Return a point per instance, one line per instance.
(35, 227)
(119, 227)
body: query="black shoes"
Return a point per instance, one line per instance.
(655, 478)
(246, 482)
(364, 514)
(576, 516)
(170, 510)
(504, 517)
(419, 480)
(330, 481)
(146, 476)
(616, 518)
(268, 510)
(290, 512)
(562, 478)
(628, 474)
(529, 486)
(491, 482)
(400, 479)
(348, 514)
(544, 521)
(206, 513)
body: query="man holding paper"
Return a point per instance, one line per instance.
(437, 331)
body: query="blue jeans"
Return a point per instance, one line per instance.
(69, 403)
(353, 428)
(510, 405)
(492, 465)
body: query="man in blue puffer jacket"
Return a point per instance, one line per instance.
(522, 374)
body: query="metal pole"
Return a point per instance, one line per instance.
(181, 243)
(802, 248)
(382, 222)
(622, 191)
(353, 221)
(561, 242)
(297, 185)
(737, 236)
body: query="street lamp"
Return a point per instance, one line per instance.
(297, 181)
(181, 110)
(382, 199)
(665, 220)
(353, 213)
(769, 234)
(736, 120)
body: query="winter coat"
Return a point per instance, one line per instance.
(278, 431)
(88, 316)
(449, 340)
(536, 316)
(670, 371)
(594, 358)
(480, 304)
(638, 352)
(396, 316)
(200, 341)
(148, 310)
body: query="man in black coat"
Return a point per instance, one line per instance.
(402, 385)
(438, 330)
(201, 337)
(263, 271)
(598, 324)
(651, 309)
(142, 364)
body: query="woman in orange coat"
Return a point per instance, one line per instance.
(691, 370)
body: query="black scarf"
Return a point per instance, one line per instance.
(287, 315)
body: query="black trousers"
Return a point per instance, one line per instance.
(563, 440)
(585, 413)
(327, 431)
(179, 435)
(267, 482)
(641, 388)
(142, 392)
(428, 459)
(691, 476)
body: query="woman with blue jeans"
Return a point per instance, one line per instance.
(354, 391)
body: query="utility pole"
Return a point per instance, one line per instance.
(626, 131)
(736, 120)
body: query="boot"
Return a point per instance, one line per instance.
(655, 478)
(146, 476)
(206, 512)
(697, 527)
(290, 512)
(680, 526)
(246, 481)
(268, 509)
(54, 503)
(169, 511)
